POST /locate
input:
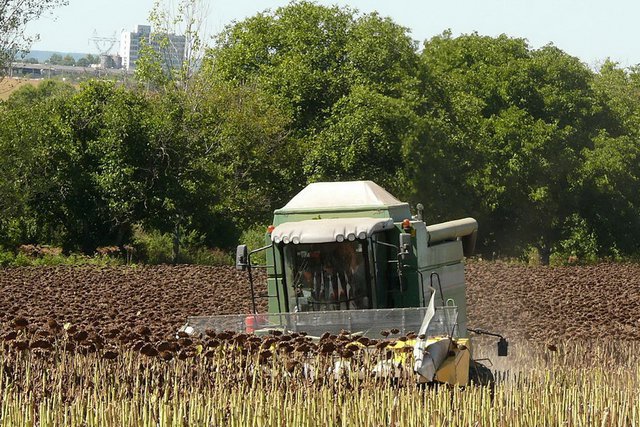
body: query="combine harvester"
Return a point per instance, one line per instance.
(350, 256)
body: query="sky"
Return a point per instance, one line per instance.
(589, 29)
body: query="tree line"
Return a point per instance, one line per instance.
(537, 146)
(68, 60)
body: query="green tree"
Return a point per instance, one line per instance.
(14, 16)
(610, 196)
(83, 62)
(504, 128)
(224, 152)
(68, 60)
(27, 128)
(322, 63)
(79, 165)
(609, 176)
(363, 138)
(247, 137)
(93, 59)
(26, 95)
(173, 53)
(55, 59)
(297, 53)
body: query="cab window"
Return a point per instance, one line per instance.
(327, 276)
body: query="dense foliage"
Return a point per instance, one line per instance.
(537, 146)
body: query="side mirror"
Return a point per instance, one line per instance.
(242, 257)
(404, 244)
(503, 347)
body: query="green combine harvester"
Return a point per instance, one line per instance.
(350, 256)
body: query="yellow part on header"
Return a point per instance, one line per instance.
(455, 368)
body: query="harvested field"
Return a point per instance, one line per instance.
(9, 85)
(547, 304)
(122, 305)
(92, 346)
(577, 385)
(118, 303)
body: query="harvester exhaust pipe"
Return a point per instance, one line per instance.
(420, 209)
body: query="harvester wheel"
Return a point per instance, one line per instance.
(480, 375)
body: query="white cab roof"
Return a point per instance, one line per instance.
(342, 195)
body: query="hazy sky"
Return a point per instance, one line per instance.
(589, 29)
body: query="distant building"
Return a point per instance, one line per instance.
(110, 61)
(170, 46)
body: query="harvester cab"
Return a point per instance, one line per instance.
(350, 256)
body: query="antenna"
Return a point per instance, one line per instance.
(103, 44)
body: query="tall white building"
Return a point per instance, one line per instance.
(170, 46)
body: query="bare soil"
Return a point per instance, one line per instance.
(548, 303)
